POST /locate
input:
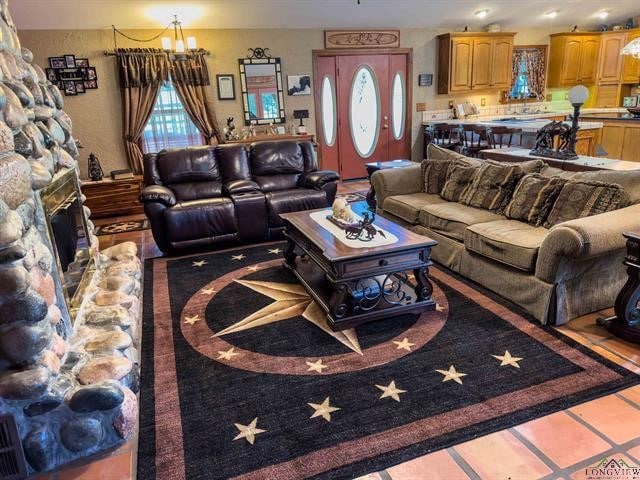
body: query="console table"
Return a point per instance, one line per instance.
(307, 137)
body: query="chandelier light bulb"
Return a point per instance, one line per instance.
(191, 43)
(166, 43)
(179, 46)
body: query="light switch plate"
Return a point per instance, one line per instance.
(421, 107)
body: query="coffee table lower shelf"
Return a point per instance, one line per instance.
(352, 302)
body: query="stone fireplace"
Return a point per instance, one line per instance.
(68, 313)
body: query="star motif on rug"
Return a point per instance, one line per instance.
(207, 291)
(275, 251)
(253, 268)
(439, 308)
(191, 320)
(452, 374)
(391, 391)
(291, 300)
(199, 263)
(323, 409)
(507, 359)
(248, 432)
(227, 354)
(316, 366)
(238, 257)
(405, 344)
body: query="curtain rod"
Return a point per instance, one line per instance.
(113, 54)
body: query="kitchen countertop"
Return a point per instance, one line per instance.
(527, 126)
(611, 116)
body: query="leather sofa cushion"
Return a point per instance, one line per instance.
(285, 201)
(200, 219)
(194, 164)
(197, 190)
(233, 161)
(407, 207)
(272, 183)
(276, 158)
(451, 219)
(510, 242)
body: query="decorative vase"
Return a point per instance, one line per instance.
(95, 170)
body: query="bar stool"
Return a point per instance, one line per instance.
(474, 138)
(502, 137)
(441, 134)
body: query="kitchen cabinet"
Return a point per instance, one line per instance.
(474, 61)
(610, 60)
(586, 141)
(630, 65)
(621, 139)
(573, 59)
(608, 96)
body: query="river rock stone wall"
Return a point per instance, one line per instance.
(71, 388)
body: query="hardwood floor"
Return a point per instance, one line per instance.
(558, 446)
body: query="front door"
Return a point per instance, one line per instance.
(362, 109)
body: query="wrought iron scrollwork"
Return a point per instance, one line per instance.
(392, 289)
(259, 52)
(369, 292)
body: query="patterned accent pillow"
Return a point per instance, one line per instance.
(533, 198)
(434, 173)
(582, 199)
(493, 186)
(458, 182)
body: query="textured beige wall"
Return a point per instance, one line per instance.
(97, 113)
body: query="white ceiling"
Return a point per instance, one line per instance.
(447, 14)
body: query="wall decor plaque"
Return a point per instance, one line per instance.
(361, 38)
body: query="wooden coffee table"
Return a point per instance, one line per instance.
(359, 285)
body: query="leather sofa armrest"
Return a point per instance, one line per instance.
(318, 178)
(240, 186)
(397, 181)
(585, 238)
(159, 194)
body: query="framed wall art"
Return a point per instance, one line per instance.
(361, 38)
(226, 87)
(72, 75)
(299, 84)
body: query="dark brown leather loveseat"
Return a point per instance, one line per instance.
(204, 196)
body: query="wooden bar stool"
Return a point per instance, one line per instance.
(442, 135)
(474, 138)
(502, 137)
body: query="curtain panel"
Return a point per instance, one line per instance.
(141, 72)
(535, 68)
(190, 77)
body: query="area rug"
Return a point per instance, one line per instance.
(241, 378)
(122, 227)
(353, 196)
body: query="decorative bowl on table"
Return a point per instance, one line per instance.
(635, 111)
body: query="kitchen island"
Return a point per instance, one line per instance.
(620, 134)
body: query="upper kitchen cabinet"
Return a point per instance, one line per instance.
(610, 60)
(573, 59)
(474, 61)
(630, 65)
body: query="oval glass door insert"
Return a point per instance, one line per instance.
(397, 106)
(328, 106)
(364, 112)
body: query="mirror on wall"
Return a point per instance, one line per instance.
(261, 83)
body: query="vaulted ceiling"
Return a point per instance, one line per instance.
(448, 14)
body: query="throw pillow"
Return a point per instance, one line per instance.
(582, 199)
(493, 186)
(458, 182)
(434, 173)
(533, 198)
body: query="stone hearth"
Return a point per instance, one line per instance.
(68, 371)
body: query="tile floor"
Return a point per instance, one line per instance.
(558, 446)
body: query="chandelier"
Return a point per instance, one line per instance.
(632, 48)
(178, 39)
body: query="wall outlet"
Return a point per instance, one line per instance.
(549, 97)
(483, 102)
(421, 107)
(566, 96)
(450, 103)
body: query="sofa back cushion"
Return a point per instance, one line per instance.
(434, 152)
(579, 199)
(533, 198)
(435, 172)
(277, 165)
(193, 164)
(458, 182)
(234, 162)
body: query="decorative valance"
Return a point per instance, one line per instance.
(190, 69)
(140, 67)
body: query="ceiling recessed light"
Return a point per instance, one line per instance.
(602, 15)
(482, 13)
(551, 14)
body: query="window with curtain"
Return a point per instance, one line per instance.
(169, 126)
(528, 72)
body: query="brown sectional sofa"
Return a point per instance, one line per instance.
(556, 273)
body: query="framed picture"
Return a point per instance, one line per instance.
(82, 62)
(51, 75)
(361, 38)
(226, 87)
(80, 86)
(60, 85)
(70, 88)
(91, 73)
(90, 84)
(70, 61)
(57, 62)
(299, 84)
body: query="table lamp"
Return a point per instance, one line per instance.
(577, 96)
(301, 114)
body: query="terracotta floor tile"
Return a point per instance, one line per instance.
(588, 327)
(627, 350)
(635, 453)
(615, 358)
(632, 394)
(585, 474)
(563, 439)
(118, 467)
(435, 466)
(370, 476)
(502, 456)
(577, 336)
(612, 416)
